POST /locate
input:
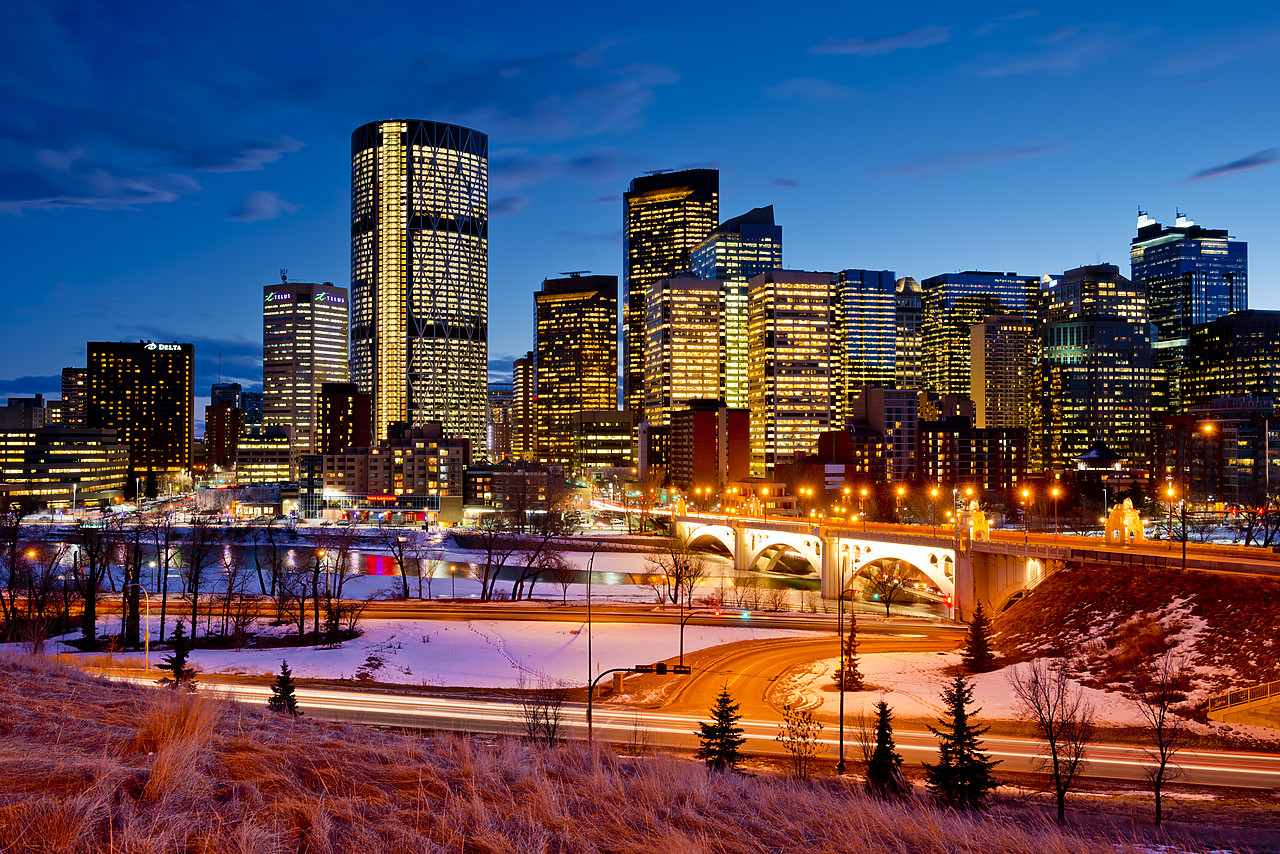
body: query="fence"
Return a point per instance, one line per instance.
(1241, 696)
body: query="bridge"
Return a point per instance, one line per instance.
(965, 570)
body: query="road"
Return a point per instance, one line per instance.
(676, 729)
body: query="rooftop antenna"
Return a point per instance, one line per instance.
(574, 274)
(284, 275)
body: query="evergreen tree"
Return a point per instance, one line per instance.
(851, 678)
(977, 647)
(282, 698)
(962, 776)
(722, 739)
(884, 771)
(182, 675)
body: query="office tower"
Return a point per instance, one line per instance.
(419, 274)
(710, 447)
(908, 311)
(1004, 356)
(223, 425)
(601, 444)
(345, 418)
(251, 403)
(1095, 289)
(145, 391)
(789, 364)
(1191, 275)
(664, 216)
(524, 407)
(263, 454)
(577, 357)
(225, 393)
(498, 430)
(64, 466)
(1233, 356)
(73, 396)
(1226, 450)
(683, 353)
(952, 304)
(733, 254)
(866, 335)
(304, 345)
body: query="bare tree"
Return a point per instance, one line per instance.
(542, 710)
(799, 735)
(563, 573)
(1047, 699)
(164, 534)
(90, 568)
(498, 544)
(675, 570)
(198, 554)
(887, 581)
(427, 556)
(398, 541)
(1260, 524)
(132, 532)
(1155, 692)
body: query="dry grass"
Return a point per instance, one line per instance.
(89, 766)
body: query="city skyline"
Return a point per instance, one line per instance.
(187, 188)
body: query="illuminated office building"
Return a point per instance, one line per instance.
(664, 216)
(145, 391)
(1234, 356)
(908, 310)
(737, 251)
(498, 430)
(263, 455)
(1191, 275)
(683, 353)
(577, 357)
(73, 396)
(226, 393)
(304, 346)
(56, 466)
(524, 408)
(790, 364)
(952, 304)
(419, 274)
(1004, 355)
(866, 335)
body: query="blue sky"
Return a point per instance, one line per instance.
(159, 162)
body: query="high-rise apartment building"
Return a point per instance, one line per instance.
(683, 350)
(524, 408)
(145, 391)
(733, 254)
(893, 413)
(73, 396)
(710, 447)
(908, 310)
(866, 334)
(576, 345)
(790, 364)
(1003, 385)
(304, 346)
(1234, 356)
(952, 304)
(498, 430)
(419, 274)
(223, 424)
(344, 419)
(664, 216)
(225, 393)
(1191, 275)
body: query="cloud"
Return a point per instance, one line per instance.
(606, 199)
(609, 237)
(918, 38)
(998, 23)
(77, 182)
(249, 159)
(593, 57)
(1244, 164)
(1066, 50)
(507, 205)
(954, 161)
(262, 205)
(27, 386)
(809, 89)
(1214, 52)
(785, 183)
(516, 167)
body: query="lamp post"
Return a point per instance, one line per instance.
(591, 685)
(1170, 494)
(146, 642)
(862, 507)
(1054, 492)
(897, 506)
(1026, 517)
(453, 582)
(933, 510)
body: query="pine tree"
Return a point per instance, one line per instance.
(851, 678)
(884, 771)
(282, 698)
(182, 675)
(977, 647)
(962, 776)
(722, 739)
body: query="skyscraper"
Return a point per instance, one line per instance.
(734, 253)
(145, 391)
(344, 419)
(1191, 275)
(498, 433)
(1004, 353)
(953, 303)
(789, 364)
(866, 334)
(577, 357)
(664, 216)
(225, 393)
(524, 408)
(73, 396)
(304, 346)
(419, 274)
(1235, 355)
(907, 315)
(683, 353)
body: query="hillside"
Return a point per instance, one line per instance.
(1108, 622)
(88, 766)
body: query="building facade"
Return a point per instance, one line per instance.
(684, 355)
(63, 466)
(952, 304)
(419, 274)
(1234, 356)
(1224, 452)
(498, 435)
(345, 418)
(601, 443)
(223, 425)
(264, 454)
(524, 408)
(953, 451)
(664, 216)
(908, 311)
(1004, 355)
(710, 446)
(411, 469)
(866, 334)
(74, 381)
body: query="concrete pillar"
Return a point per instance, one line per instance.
(741, 547)
(829, 573)
(966, 595)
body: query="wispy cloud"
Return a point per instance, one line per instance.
(918, 38)
(518, 167)
(998, 23)
(812, 89)
(1244, 164)
(785, 183)
(262, 205)
(508, 205)
(250, 159)
(27, 386)
(954, 161)
(1066, 50)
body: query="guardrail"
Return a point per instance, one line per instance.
(1241, 696)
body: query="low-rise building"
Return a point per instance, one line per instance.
(63, 466)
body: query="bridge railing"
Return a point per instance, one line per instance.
(1240, 696)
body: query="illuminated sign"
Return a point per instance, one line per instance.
(380, 498)
(325, 296)
(151, 345)
(276, 296)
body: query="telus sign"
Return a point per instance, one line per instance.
(325, 296)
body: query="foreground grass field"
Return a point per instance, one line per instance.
(87, 766)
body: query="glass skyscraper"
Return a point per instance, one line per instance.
(907, 315)
(664, 216)
(419, 274)
(683, 355)
(866, 334)
(735, 253)
(1191, 275)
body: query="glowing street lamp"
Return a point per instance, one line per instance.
(933, 509)
(1026, 517)
(1054, 492)
(862, 507)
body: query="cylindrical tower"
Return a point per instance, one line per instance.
(419, 274)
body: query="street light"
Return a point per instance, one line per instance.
(840, 626)
(591, 685)
(146, 643)
(1026, 517)
(933, 510)
(1170, 493)
(862, 507)
(1054, 492)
